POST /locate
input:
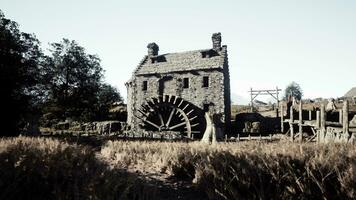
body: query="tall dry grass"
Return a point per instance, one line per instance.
(38, 168)
(246, 170)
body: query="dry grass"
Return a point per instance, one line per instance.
(38, 168)
(246, 170)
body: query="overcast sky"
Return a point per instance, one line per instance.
(270, 43)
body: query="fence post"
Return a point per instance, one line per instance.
(282, 118)
(291, 121)
(345, 120)
(322, 122)
(310, 115)
(300, 121)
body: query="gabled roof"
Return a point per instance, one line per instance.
(183, 61)
(351, 93)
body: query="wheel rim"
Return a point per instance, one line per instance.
(171, 113)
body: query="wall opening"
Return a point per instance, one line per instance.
(186, 83)
(206, 81)
(144, 86)
(206, 107)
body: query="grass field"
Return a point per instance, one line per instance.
(44, 168)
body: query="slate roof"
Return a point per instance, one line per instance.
(183, 61)
(351, 93)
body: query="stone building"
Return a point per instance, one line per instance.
(171, 92)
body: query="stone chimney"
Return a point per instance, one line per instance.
(216, 41)
(152, 49)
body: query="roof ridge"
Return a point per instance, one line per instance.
(181, 52)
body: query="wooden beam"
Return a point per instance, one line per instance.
(322, 122)
(310, 115)
(291, 119)
(317, 122)
(345, 119)
(300, 121)
(282, 119)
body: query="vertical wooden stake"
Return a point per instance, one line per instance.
(317, 123)
(282, 118)
(322, 122)
(300, 121)
(310, 115)
(291, 121)
(345, 120)
(251, 101)
(340, 116)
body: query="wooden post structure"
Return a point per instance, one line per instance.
(317, 121)
(251, 101)
(341, 116)
(317, 126)
(345, 120)
(300, 121)
(282, 119)
(310, 115)
(291, 121)
(322, 122)
(277, 101)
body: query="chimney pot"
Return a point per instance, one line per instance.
(152, 49)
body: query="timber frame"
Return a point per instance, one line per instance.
(323, 131)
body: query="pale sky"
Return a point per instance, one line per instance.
(270, 43)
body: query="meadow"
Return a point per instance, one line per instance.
(47, 168)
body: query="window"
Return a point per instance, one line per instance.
(206, 81)
(206, 107)
(186, 83)
(144, 86)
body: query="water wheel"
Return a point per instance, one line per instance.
(171, 113)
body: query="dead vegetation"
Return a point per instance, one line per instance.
(38, 168)
(249, 170)
(47, 169)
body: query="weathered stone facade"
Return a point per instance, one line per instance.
(200, 78)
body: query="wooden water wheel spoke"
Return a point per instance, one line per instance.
(153, 124)
(170, 117)
(178, 125)
(161, 119)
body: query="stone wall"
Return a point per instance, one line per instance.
(195, 93)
